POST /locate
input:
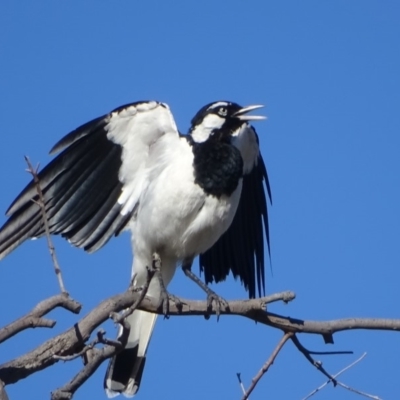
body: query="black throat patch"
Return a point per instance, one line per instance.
(218, 166)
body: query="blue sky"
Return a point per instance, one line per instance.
(328, 73)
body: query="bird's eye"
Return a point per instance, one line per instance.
(222, 111)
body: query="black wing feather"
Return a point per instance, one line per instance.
(240, 249)
(80, 188)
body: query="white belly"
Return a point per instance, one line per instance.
(175, 217)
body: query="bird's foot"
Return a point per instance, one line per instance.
(218, 301)
(211, 295)
(176, 300)
(165, 297)
(164, 302)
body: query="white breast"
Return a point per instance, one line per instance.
(175, 217)
(210, 222)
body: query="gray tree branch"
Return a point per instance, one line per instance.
(42, 205)
(75, 339)
(267, 364)
(34, 318)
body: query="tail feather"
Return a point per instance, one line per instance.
(125, 370)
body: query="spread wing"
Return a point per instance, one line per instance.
(92, 187)
(241, 248)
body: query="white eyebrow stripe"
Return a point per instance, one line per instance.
(218, 104)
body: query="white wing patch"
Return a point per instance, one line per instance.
(136, 128)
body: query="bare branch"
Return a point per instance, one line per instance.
(370, 396)
(94, 356)
(64, 344)
(334, 376)
(73, 340)
(316, 364)
(41, 203)
(286, 297)
(68, 342)
(342, 384)
(267, 364)
(324, 328)
(34, 318)
(254, 310)
(241, 383)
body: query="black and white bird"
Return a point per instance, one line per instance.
(180, 196)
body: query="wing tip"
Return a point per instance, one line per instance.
(78, 133)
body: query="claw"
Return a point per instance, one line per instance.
(211, 295)
(176, 300)
(165, 297)
(219, 303)
(164, 303)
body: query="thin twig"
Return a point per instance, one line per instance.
(338, 383)
(78, 354)
(370, 396)
(334, 376)
(41, 203)
(330, 353)
(241, 384)
(100, 338)
(134, 306)
(316, 364)
(116, 343)
(320, 353)
(268, 363)
(97, 357)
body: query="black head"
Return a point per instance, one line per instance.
(221, 119)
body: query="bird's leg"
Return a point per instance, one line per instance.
(211, 295)
(165, 297)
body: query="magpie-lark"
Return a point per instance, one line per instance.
(180, 196)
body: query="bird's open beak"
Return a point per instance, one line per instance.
(242, 113)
